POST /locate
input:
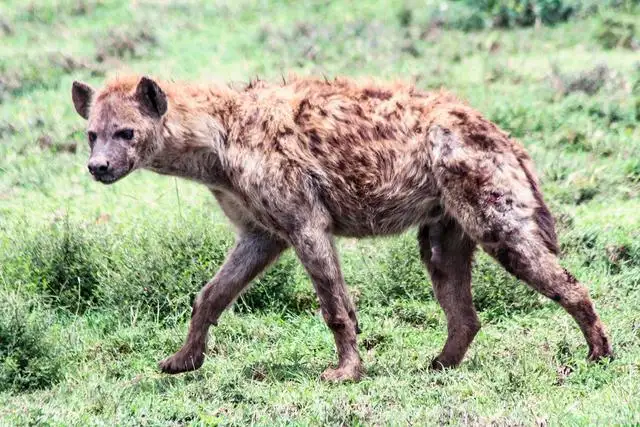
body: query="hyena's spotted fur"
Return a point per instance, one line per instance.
(295, 164)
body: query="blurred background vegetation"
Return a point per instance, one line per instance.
(96, 282)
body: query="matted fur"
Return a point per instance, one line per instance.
(294, 164)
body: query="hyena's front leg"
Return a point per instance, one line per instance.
(253, 252)
(317, 252)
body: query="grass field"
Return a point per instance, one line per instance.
(96, 282)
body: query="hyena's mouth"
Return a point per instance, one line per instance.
(110, 178)
(107, 179)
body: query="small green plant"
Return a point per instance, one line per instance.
(63, 265)
(29, 358)
(618, 33)
(403, 275)
(497, 294)
(280, 290)
(523, 13)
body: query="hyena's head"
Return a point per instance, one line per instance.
(124, 122)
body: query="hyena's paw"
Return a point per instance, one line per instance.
(345, 373)
(600, 345)
(601, 353)
(184, 360)
(441, 363)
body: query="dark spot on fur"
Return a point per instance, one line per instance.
(353, 317)
(287, 131)
(362, 159)
(483, 141)
(492, 236)
(460, 114)
(437, 274)
(570, 278)
(337, 326)
(459, 168)
(445, 149)
(303, 106)
(556, 297)
(315, 143)
(377, 93)
(252, 119)
(493, 198)
(435, 211)
(584, 310)
(423, 242)
(363, 134)
(384, 131)
(277, 146)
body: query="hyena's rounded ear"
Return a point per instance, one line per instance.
(152, 99)
(82, 94)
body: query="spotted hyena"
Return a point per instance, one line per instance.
(295, 164)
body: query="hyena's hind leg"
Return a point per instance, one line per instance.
(488, 186)
(447, 252)
(526, 259)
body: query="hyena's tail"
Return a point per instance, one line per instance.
(488, 186)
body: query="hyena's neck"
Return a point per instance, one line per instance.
(194, 138)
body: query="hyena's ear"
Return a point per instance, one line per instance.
(152, 99)
(82, 94)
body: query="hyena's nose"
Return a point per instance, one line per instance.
(98, 167)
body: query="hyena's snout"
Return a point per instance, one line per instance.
(99, 166)
(108, 168)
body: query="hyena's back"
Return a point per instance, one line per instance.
(387, 158)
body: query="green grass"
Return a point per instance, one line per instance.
(96, 282)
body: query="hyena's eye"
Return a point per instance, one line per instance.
(92, 137)
(126, 134)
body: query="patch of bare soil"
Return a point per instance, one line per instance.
(9, 83)
(70, 64)
(46, 142)
(588, 81)
(6, 29)
(125, 45)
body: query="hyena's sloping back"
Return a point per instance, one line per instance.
(543, 217)
(486, 176)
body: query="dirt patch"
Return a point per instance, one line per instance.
(617, 33)
(305, 37)
(125, 45)
(9, 84)
(589, 81)
(46, 142)
(85, 7)
(6, 29)
(70, 64)
(310, 42)
(6, 130)
(49, 12)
